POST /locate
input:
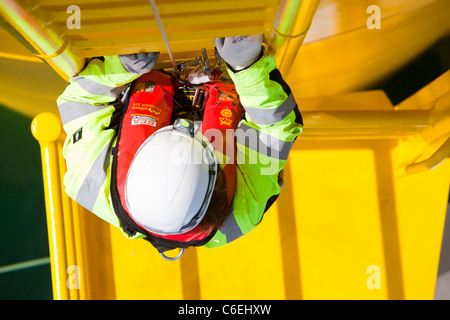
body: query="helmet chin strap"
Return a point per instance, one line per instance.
(163, 34)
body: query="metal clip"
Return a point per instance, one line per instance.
(218, 59)
(200, 96)
(188, 64)
(174, 258)
(206, 63)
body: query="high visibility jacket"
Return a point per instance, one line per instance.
(263, 140)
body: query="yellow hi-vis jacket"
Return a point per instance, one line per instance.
(263, 140)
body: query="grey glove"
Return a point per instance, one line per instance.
(139, 63)
(240, 52)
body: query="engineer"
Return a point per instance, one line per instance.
(155, 174)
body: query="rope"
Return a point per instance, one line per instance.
(163, 34)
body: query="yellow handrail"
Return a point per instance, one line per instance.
(65, 247)
(46, 129)
(50, 46)
(293, 20)
(366, 124)
(433, 161)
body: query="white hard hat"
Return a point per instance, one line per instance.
(171, 179)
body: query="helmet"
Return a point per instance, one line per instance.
(171, 179)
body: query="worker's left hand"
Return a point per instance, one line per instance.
(139, 63)
(240, 52)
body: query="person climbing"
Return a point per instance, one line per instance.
(173, 178)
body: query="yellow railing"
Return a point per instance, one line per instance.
(62, 214)
(289, 30)
(433, 161)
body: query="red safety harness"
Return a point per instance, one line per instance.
(150, 108)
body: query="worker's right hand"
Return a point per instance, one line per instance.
(139, 63)
(240, 52)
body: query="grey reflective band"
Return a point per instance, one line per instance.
(265, 116)
(96, 88)
(230, 228)
(70, 111)
(262, 142)
(88, 193)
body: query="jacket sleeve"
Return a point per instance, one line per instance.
(264, 139)
(86, 108)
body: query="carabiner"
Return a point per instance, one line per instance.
(174, 258)
(200, 97)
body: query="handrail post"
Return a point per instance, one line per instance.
(46, 128)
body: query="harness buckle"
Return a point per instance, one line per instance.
(200, 97)
(188, 64)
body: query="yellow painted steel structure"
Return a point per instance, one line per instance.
(362, 210)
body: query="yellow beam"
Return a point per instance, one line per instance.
(290, 27)
(433, 161)
(49, 45)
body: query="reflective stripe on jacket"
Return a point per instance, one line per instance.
(263, 140)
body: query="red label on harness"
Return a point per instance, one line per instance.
(145, 120)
